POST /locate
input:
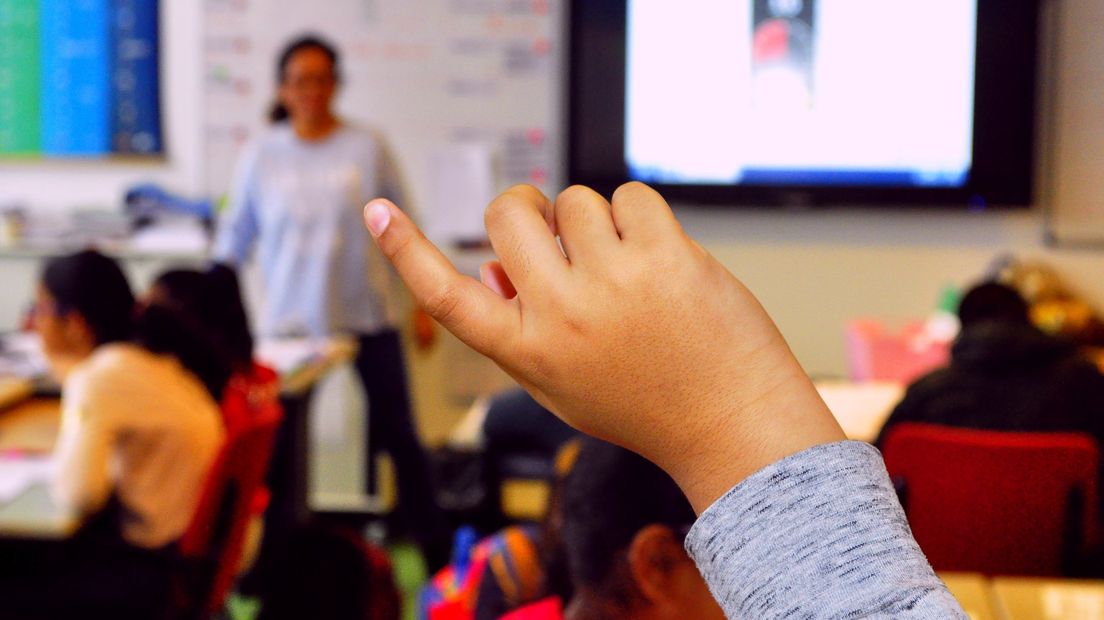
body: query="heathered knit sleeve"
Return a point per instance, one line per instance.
(819, 534)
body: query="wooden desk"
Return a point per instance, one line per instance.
(861, 408)
(302, 378)
(32, 426)
(1022, 598)
(973, 593)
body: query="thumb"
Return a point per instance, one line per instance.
(475, 314)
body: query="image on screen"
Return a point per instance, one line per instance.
(800, 92)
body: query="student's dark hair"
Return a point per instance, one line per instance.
(93, 286)
(991, 301)
(212, 299)
(279, 113)
(168, 331)
(609, 496)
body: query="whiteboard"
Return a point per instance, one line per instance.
(427, 73)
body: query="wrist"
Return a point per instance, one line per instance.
(738, 438)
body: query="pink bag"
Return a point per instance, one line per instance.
(876, 354)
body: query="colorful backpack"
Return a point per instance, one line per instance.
(510, 557)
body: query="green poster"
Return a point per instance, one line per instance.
(20, 117)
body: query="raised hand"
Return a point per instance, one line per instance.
(632, 332)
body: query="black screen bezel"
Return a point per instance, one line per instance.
(1004, 119)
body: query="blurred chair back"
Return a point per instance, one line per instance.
(212, 546)
(996, 502)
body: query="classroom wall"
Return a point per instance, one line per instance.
(812, 270)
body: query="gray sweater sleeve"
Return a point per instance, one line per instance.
(819, 534)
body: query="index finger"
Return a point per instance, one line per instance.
(475, 314)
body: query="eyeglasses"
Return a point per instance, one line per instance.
(303, 82)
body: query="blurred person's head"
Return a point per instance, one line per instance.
(83, 301)
(213, 300)
(307, 75)
(992, 302)
(624, 523)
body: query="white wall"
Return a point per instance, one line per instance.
(65, 184)
(813, 271)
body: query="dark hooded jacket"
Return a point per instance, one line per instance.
(1008, 376)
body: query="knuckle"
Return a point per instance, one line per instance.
(630, 190)
(501, 210)
(572, 210)
(448, 305)
(526, 191)
(579, 204)
(637, 195)
(579, 194)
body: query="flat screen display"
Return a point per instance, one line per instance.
(800, 91)
(808, 101)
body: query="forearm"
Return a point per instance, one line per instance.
(820, 533)
(730, 435)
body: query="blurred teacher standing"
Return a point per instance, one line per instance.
(297, 195)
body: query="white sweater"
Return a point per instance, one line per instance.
(141, 426)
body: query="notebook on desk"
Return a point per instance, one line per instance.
(24, 371)
(17, 474)
(287, 355)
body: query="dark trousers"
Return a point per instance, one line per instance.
(382, 372)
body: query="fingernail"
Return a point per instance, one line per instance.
(378, 218)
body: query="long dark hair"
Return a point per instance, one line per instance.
(94, 286)
(212, 299)
(279, 113)
(168, 331)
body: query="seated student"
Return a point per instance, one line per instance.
(625, 328)
(619, 523)
(139, 432)
(624, 525)
(212, 299)
(1005, 374)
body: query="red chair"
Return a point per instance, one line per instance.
(211, 548)
(996, 502)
